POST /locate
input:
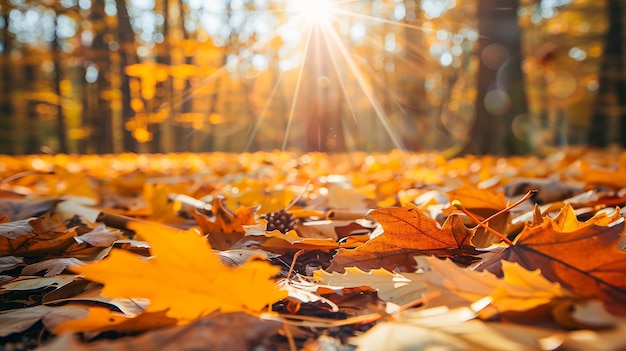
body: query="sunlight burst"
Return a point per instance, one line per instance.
(314, 10)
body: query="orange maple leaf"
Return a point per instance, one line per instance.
(476, 199)
(582, 256)
(184, 278)
(408, 232)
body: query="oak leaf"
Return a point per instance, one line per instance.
(408, 232)
(184, 276)
(582, 256)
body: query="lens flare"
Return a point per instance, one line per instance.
(314, 10)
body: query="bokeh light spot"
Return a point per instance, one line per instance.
(497, 102)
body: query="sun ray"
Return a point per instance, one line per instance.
(378, 109)
(344, 90)
(382, 20)
(189, 93)
(292, 109)
(252, 133)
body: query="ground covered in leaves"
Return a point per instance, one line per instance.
(284, 251)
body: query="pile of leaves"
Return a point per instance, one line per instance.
(282, 251)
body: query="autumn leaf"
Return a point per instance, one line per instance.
(52, 267)
(22, 209)
(102, 319)
(518, 290)
(32, 237)
(232, 331)
(267, 196)
(159, 207)
(224, 228)
(408, 232)
(583, 257)
(476, 199)
(392, 287)
(19, 320)
(276, 239)
(184, 277)
(613, 177)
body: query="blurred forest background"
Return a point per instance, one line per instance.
(473, 76)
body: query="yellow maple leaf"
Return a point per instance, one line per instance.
(523, 289)
(518, 290)
(184, 277)
(159, 207)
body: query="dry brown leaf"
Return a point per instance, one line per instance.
(46, 235)
(408, 232)
(224, 228)
(52, 267)
(396, 288)
(583, 257)
(234, 331)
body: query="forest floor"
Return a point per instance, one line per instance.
(287, 251)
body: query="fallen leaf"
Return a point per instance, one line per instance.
(15, 321)
(396, 288)
(583, 257)
(52, 267)
(408, 232)
(224, 228)
(421, 329)
(9, 262)
(613, 176)
(100, 236)
(518, 289)
(233, 331)
(35, 282)
(184, 276)
(45, 236)
(477, 199)
(276, 241)
(99, 319)
(21, 209)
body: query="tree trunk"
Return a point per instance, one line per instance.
(7, 113)
(610, 104)
(61, 129)
(128, 56)
(499, 34)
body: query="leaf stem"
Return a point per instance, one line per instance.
(485, 223)
(482, 224)
(293, 262)
(528, 195)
